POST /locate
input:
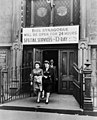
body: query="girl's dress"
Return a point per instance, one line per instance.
(37, 75)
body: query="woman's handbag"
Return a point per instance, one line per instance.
(38, 79)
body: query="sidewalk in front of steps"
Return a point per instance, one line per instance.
(63, 104)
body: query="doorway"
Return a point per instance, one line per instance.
(63, 56)
(51, 54)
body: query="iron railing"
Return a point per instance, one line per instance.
(14, 83)
(78, 88)
(78, 85)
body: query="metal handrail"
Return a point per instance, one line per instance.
(75, 66)
(78, 85)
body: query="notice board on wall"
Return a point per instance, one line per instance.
(3, 58)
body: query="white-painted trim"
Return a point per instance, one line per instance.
(92, 43)
(5, 44)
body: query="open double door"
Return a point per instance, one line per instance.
(66, 58)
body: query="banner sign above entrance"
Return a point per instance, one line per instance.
(51, 35)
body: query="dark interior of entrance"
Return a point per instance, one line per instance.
(52, 54)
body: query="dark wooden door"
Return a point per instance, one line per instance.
(30, 58)
(37, 55)
(67, 58)
(27, 57)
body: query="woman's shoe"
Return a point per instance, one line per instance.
(42, 97)
(38, 101)
(46, 102)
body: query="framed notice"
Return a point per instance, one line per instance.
(3, 57)
(51, 35)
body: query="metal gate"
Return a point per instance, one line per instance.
(14, 83)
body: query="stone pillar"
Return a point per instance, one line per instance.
(81, 61)
(0, 84)
(32, 13)
(94, 76)
(16, 19)
(93, 66)
(16, 53)
(24, 12)
(92, 30)
(71, 15)
(82, 30)
(83, 19)
(89, 53)
(87, 104)
(52, 12)
(82, 53)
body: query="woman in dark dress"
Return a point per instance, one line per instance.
(47, 81)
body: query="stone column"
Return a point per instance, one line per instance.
(24, 12)
(83, 19)
(0, 84)
(89, 53)
(94, 79)
(32, 13)
(16, 53)
(82, 29)
(71, 15)
(87, 105)
(93, 40)
(52, 13)
(93, 61)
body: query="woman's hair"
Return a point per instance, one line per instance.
(37, 62)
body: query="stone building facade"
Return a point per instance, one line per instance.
(16, 14)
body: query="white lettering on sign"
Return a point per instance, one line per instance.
(51, 35)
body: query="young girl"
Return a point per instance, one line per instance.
(37, 74)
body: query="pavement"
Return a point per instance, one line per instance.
(57, 101)
(26, 115)
(61, 104)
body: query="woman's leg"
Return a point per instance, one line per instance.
(43, 94)
(47, 97)
(38, 98)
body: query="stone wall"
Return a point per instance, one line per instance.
(5, 21)
(92, 21)
(92, 41)
(10, 26)
(10, 20)
(16, 19)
